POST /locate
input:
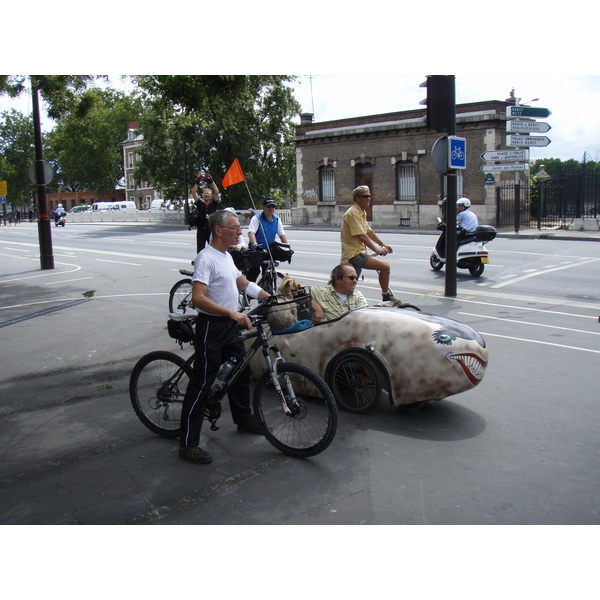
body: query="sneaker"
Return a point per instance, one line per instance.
(251, 426)
(195, 455)
(388, 296)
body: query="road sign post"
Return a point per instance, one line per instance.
(494, 155)
(503, 168)
(527, 127)
(527, 111)
(527, 140)
(457, 152)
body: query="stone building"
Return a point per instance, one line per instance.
(392, 154)
(145, 193)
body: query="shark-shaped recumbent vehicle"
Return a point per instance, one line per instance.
(413, 356)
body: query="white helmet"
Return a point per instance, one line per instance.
(59, 206)
(230, 209)
(464, 201)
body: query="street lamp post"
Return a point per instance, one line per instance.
(44, 228)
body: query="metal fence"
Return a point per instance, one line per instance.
(551, 203)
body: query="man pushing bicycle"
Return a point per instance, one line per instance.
(215, 283)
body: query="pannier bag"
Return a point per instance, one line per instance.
(281, 252)
(182, 331)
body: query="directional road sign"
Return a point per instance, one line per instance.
(506, 155)
(457, 152)
(527, 126)
(502, 168)
(527, 140)
(527, 111)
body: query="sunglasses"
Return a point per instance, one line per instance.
(351, 277)
(365, 196)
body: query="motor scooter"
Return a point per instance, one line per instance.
(61, 220)
(471, 252)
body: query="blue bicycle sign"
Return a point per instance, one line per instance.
(457, 152)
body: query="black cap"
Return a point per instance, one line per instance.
(268, 201)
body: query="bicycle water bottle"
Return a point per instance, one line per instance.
(223, 374)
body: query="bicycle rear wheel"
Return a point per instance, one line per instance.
(180, 297)
(312, 424)
(156, 387)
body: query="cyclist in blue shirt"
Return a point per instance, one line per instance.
(263, 229)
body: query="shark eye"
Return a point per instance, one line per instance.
(442, 338)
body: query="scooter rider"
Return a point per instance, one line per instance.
(59, 211)
(466, 219)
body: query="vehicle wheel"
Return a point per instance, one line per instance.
(354, 382)
(156, 387)
(270, 281)
(435, 262)
(180, 297)
(312, 423)
(476, 269)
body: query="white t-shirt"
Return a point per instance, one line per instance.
(217, 270)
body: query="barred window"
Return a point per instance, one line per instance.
(327, 184)
(407, 180)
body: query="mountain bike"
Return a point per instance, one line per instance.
(294, 405)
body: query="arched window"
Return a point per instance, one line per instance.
(327, 183)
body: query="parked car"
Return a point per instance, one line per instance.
(412, 356)
(80, 208)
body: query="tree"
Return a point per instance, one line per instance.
(17, 154)
(86, 144)
(218, 119)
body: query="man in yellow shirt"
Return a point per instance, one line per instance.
(356, 236)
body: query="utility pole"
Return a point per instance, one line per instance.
(44, 228)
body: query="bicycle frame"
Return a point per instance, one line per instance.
(213, 411)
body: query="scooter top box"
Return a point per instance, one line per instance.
(485, 233)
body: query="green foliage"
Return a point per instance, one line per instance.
(86, 143)
(219, 118)
(17, 154)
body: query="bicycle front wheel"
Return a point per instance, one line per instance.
(310, 426)
(156, 387)
(180, 297)
(270, 281)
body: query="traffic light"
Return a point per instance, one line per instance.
(440, 102)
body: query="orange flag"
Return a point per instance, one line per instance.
(234, 174)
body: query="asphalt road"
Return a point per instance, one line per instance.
(521, 448)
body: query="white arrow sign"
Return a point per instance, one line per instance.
(506, 155)
(527, 140)
(527, 126)
(500, 168)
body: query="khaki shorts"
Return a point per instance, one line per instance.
(359, 261)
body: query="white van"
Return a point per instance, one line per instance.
(124, 205)
(158, 205)
(101, 206)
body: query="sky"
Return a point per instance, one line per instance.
(572, 100)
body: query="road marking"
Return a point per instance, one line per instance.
(529, 323)
(118, 262)
(66, 280)
(516, 339)
(543, 272)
